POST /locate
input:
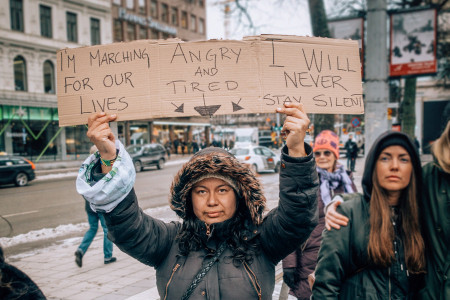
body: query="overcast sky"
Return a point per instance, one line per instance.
(268, 16)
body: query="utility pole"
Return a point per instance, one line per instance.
(376, 79)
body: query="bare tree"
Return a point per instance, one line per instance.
(346, 8)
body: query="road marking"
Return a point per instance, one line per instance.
(22, 213)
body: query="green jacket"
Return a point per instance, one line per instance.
(343, 270)
(436, 227)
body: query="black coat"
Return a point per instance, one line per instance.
(155, 243)
(344, 270)
(304, 259)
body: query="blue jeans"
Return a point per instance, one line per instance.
(93, 219)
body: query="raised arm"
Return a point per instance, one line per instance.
(109, 189)
(291, 223)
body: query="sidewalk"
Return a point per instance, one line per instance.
(55, 272)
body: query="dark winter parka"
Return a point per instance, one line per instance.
(344, 270)
(15, 284)
(304, 258)
(435, 212)
(246, 269)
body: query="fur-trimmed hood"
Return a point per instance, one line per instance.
(217, 161)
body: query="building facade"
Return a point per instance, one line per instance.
(31, 31)
(160, 19)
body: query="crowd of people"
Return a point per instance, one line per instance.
(388, 241)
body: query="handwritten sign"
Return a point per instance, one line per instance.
(153, 79)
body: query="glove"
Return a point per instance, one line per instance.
(289, 277)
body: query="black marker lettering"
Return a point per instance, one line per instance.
(294, 82)
(322, 103)
(175, 53)
(123, 102)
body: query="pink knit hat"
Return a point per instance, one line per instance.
(327, 140)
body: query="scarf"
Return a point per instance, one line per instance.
(109, 191)
(331, 181)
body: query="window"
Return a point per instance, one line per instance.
(165, 13)
(118, 31)
(117, 2)
(143, 33)
(201, 3)
(154, 9)
(130, 4)
(20, 74)
(72, 35)
(192, 23)
(16, 8)
(165, 35)
(174, 18)
(142, 10)
(131, 32)
(201, 26)
(46, 20)
(95, 31)
(49, 77)
(184, 20)
(155, 34)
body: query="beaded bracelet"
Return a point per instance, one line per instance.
(109, 162)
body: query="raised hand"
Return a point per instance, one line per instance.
(101, 135)
(294, 127)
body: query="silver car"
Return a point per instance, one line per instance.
(259, 158)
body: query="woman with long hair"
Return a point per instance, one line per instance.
(334, 180)
(380, 254)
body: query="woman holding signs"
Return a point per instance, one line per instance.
(222, 248)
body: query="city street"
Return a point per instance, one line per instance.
(54, 202)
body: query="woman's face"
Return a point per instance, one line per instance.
(394, 169)
(213, 200)
(325, 159)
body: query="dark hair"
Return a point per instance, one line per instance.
(15, 284)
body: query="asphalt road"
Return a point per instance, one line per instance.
(54, 202)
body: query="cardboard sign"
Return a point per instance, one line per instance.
(154, 79)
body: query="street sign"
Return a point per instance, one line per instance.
(355, 122)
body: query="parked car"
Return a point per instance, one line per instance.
(16, 169)
(259, 158)
(147, 155)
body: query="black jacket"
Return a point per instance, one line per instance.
(435, 212)
(344, 270)
(155, 243)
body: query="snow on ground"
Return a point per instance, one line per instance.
(163, 213)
